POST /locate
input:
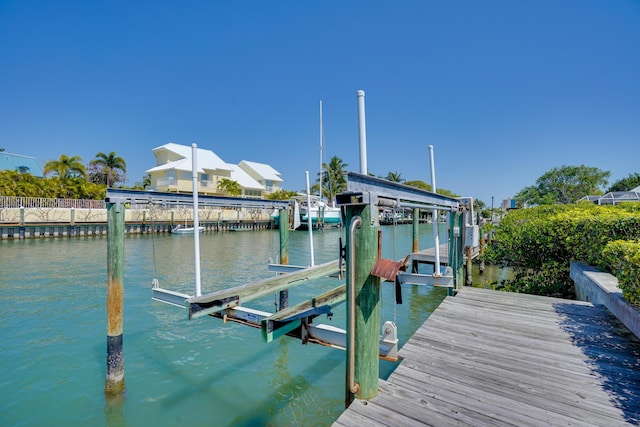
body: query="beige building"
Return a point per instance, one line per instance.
(173, 172)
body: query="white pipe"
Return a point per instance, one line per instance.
(354, 387)
(321, 144)
(309, 221)
(434, 214)
(196, 222)
(362, 133)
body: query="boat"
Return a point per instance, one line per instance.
(322, 214)
(179, 229)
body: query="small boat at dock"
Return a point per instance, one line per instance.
(179, 229)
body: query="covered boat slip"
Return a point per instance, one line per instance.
(489, 358)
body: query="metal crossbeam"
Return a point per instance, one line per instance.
(445, 281)
(288, 319)
(368, 189)
(228, 298)
(186, 199)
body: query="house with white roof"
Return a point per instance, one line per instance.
(264, 174)
(173, 169)
(173, 172)
(249, 186)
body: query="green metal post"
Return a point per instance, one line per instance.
(416, 229)
(455, 248)
(284, 253)
(367, 304)
(115, 297)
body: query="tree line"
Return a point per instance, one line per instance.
(106, 169)
(568, 184)
(68, 177)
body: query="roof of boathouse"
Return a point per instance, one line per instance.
(20, 163)
(175, 156)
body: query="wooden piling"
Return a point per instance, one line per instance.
(284, 254)
(367, 303)
(468, 252)
(416, 229)
(481, 254)
(115, 297)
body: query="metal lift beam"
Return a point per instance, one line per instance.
(186, 199)
(228, 298)
(290, 318)
(392, 194)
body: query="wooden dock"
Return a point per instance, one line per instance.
(489, 358)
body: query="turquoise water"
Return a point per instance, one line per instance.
(177, 372)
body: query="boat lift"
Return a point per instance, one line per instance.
(297, 321)
(365, 267)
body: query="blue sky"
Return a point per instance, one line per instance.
(503, 90)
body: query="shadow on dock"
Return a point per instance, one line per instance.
(608, 345)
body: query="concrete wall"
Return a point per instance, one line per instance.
(602, 289)
(50, 215)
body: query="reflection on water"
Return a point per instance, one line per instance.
(492, 276)
(177, 372)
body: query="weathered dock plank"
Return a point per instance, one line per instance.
(488, 358)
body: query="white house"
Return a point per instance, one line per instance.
(173, 172)
(173, 169)
(264, 174)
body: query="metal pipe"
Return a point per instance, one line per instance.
(434, 214)
(362, 133)
(356, 222)
(321, 144)
(310, 221)
(196, 219)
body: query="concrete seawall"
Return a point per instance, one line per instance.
(26, 223)
(601, 288)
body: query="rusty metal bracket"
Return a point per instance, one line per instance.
(386, 268)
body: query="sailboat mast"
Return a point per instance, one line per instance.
(321, 144)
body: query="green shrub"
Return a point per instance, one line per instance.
(622, 258)
(539, 243)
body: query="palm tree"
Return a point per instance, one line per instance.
(394, 177)
(229, 187)
(146, 181)
(108, 168)
(334, 180)
(66, 167)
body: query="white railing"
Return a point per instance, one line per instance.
(41, 202)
